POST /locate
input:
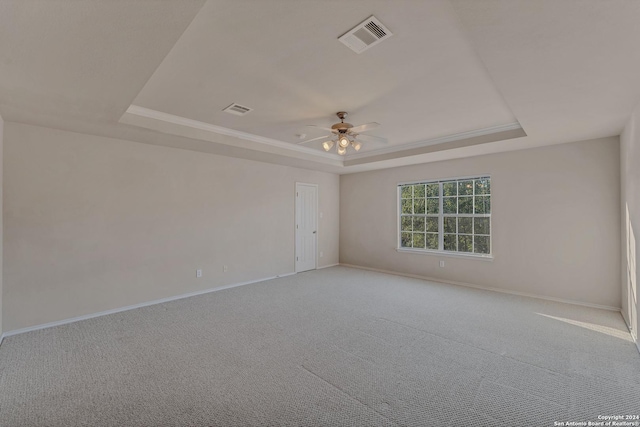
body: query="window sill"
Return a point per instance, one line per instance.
(447, 254)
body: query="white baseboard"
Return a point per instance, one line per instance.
(134, 306)
(327, 266)
(486, 288)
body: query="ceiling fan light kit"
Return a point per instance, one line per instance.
(343, 141)
(328, 145)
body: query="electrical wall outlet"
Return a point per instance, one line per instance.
(225, 268)
(198, 273)
(441, 263)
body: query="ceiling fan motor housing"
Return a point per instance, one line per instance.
(342, 127)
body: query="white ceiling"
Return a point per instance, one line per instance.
(83, 59)
(457, 78)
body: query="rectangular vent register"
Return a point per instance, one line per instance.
(237, 109)
(367, 34)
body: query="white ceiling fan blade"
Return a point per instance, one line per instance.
(315, 139)
(365, 127)
(320, 128)
(372, 138)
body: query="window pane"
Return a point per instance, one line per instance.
(405, 240)
(449, 188)
(465, 205)
(432, 241)
(465, 188)
(465, 243)
(450, 242)
(482, 225)
(450, 224)
(483, 204)
(450, 205)
(418, 240)
(483, 186)
(465, 225)
(433, 190)
(433, 206)
(481, 245)
(405, 223)
(432, 224)
(407, 206)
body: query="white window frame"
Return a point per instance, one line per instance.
(441, 215)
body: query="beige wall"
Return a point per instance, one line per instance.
(93, 223)
(555, 219)
(630, 209)
(1, 222)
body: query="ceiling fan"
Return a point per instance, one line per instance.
(344, 134)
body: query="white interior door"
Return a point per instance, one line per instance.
(306, 226)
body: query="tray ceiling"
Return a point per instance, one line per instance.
(457, 78)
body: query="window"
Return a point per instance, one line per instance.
(446, 216)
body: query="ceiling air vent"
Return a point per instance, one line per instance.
(237, 109)
(368, 33)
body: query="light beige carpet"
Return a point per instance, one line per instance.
(333, 347)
